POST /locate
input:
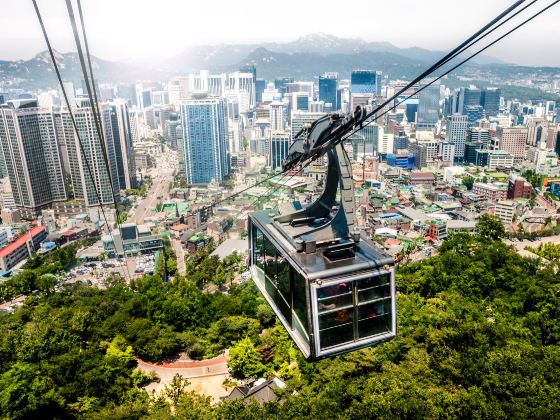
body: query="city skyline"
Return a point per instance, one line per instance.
(122, 39)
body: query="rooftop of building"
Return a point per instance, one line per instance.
(8, 249)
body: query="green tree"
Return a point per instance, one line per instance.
(490, 227)
(176, 388)
(468, 181)
(244, 360)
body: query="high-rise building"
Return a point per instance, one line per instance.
(277, 116)
(84, 186)
(122, 140)
(473, 113)
(490, 101)
(428, 107)
(478, 135)
(260, 86)
(31, 154)
(281, 83)
(279, 144)
(205, 138)
(457, 134)
(249, 68)
(424, 149)
(469, 96)
(513, 140)
(363, 81)
(300, 118)
(240, 81)
(446, 151)
(328, 85)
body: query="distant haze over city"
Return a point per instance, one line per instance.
(131, 31)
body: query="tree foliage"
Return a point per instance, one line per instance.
(478, 337)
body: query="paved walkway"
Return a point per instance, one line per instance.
(205, 376)
(180, 253)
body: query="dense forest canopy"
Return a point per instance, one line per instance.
(478, 337)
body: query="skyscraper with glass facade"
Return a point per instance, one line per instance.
(328, 85)
(363, 81)
(205, 140)
(428, 107)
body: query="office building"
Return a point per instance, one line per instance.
(104, 181)
(279, 144)
(32, 159)
(385, 144)
(402, 160)
(328, 85)
(457, 134)
(446, 152)
(244, 82)
(278, 116)
(428, 107)
(280, 84)
(271, 94)
(478, 135)
(205, 140)
(363, 81)
(425, 151)
(469, 96)
(513, 140)
(494, 159)
(300, 118)
(490, 101)
(474, 113)
(471, 148)
(260, 86)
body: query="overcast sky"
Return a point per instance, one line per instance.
(127, 29)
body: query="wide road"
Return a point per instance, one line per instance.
(162, 176)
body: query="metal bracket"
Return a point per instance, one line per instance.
(316, 224)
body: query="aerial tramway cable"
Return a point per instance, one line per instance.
(455, 66)
(72, 117)
(94, 102)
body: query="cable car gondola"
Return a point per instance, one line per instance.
(332, 288)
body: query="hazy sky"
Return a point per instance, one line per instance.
(125, 29)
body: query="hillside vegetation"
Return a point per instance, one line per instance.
(478, 337)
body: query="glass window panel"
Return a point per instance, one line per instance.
(300, 302)
(372, 310)
(336, 318)
(373, 281)
(374, 326)
(336, 336)
(283, 273)
(270, 259)
(334, 290)
(283, 306)
(335, 302)
(258, 248)
(374, 293)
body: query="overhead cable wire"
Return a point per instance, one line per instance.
(455, 67)
(94, 103)
(469, 42)
(70, 112)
